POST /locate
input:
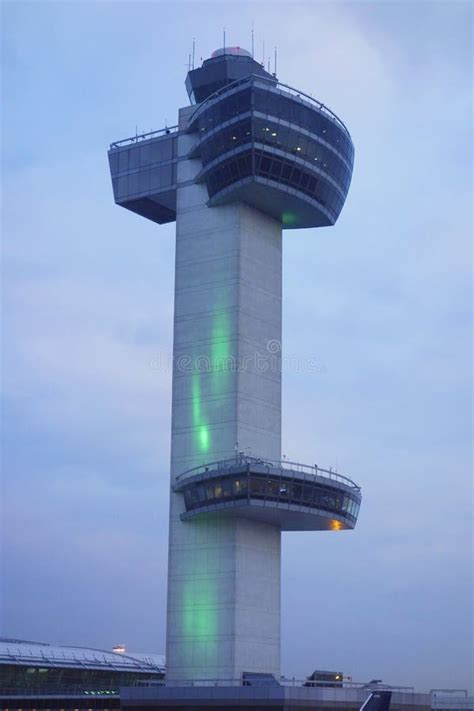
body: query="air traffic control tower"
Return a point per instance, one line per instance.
(249, 158)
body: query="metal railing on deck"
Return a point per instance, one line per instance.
(273, 84)
(143, 136)
(283, 681)
(284, 467)
(60, 690)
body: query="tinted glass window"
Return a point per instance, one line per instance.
(145, 154)
(113, 162)
(144, 181)
(226, 140)
(123, 160)
(289, 109)
(167, 149)
(133, 156)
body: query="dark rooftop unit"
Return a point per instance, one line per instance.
(223, 68)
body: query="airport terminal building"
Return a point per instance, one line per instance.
(37, 675)
(42, 677)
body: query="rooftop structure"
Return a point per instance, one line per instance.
(23, 653)
(32, 670)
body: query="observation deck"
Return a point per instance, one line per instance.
(260, 142)
(275, 148)
(292, 496)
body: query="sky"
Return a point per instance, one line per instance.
(381, 301)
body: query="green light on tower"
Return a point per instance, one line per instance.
(201, 428)
(204, 438)
(289, 219)
(200, 614)
(221, 359)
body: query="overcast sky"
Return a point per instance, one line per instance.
(381, 301)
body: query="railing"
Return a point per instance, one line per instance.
(283, 465)
(143, 136)
(126, 664)
(276, 85)
(59, 690)
(255, 683)
(250, 79)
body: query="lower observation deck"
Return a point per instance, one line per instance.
(295, 497)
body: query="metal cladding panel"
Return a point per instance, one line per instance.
(284, 153)
(143, 175)
(268, 195)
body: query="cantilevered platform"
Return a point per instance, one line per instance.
(292, 496)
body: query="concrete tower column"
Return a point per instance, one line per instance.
(224, 573)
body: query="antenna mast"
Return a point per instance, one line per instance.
(223, 32)
(194, 51)
(252, 41)
(275, 72)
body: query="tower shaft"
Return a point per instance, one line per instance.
(224, 573)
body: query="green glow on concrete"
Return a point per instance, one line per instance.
(289, 218)
(200, 614)
(200, 618)
(221, 352)
(201, 428)
(200, 604)
(204, 438)
(196, 399)
(220, 337)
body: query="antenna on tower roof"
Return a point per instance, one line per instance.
(263, 60)
(194, 50)
(189, 62)
(252, 41)
(223, 32)
(275, 67)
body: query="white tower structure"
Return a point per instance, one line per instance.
(248, 158)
